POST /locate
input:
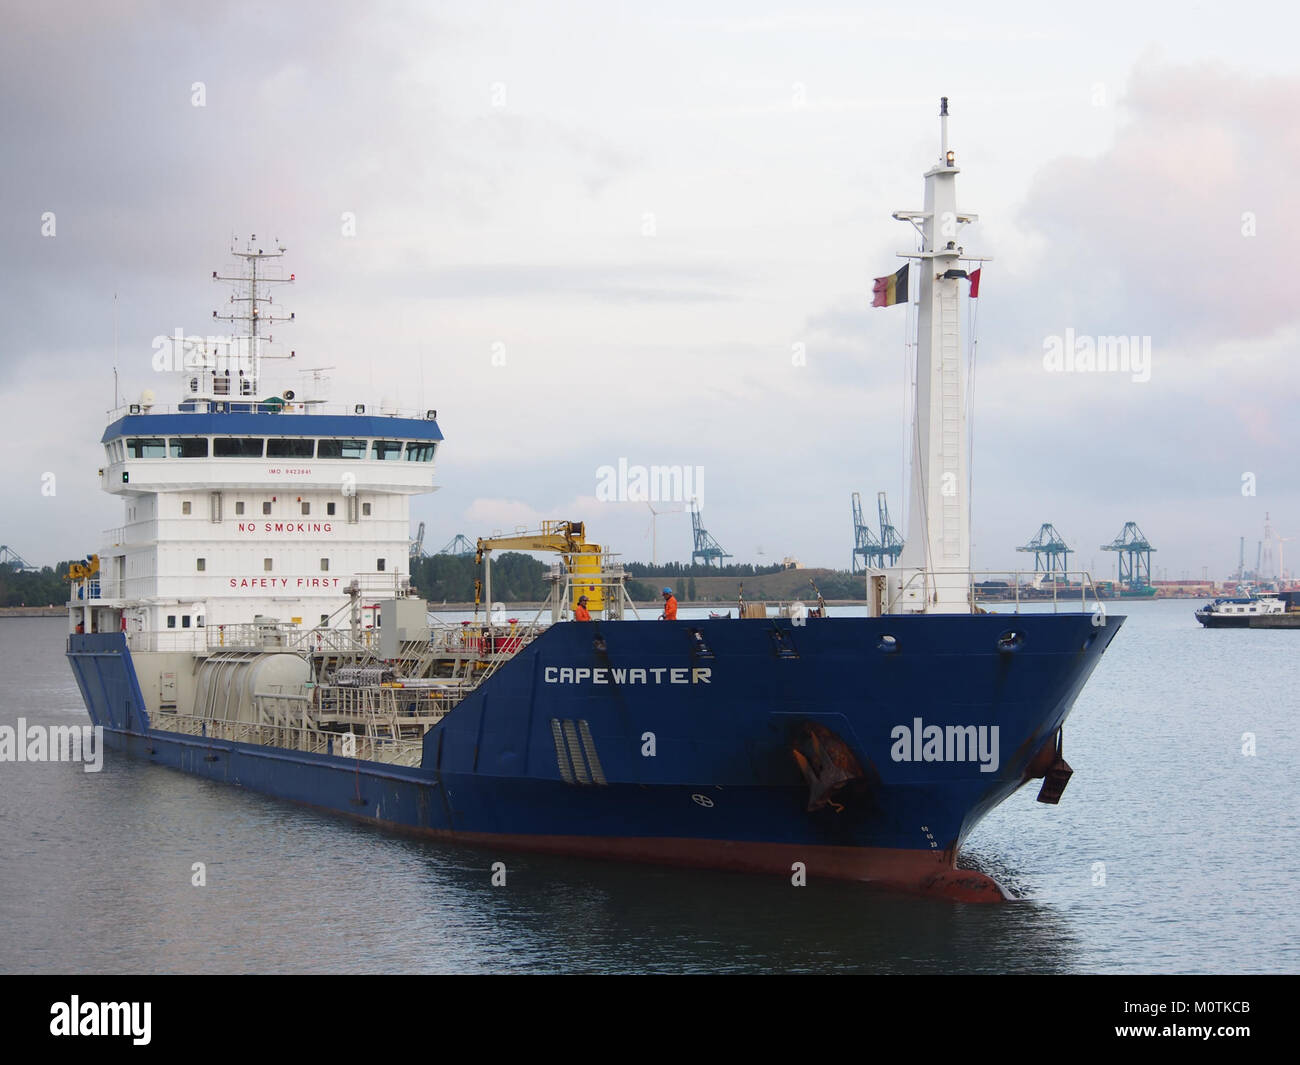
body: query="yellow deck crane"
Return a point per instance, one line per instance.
(83, 579)
(585, 567)
(83, 570)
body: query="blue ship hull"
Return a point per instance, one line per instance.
(745, 744)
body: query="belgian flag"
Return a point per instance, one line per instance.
(891, 289)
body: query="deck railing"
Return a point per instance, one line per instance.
(240, 402)
(1069, 590)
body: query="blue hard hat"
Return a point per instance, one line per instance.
(668, 591)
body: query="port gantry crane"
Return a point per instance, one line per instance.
(1134, 556)
(866, 546)
(417, 544)
(891, 544)
(707, 550)
(1050, 553)
(459, 546)
(10, 557)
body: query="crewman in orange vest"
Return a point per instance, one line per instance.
(670, 606)
(580, 612)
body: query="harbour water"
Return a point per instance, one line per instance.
(1172, 852)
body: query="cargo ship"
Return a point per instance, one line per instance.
(252, 621)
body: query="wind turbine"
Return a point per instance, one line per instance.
(673, 508)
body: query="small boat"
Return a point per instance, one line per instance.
(1237, 612)
(715, 614)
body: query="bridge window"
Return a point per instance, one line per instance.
(171, 621)
(419, 452)
(201, 564)
(329, 509)
(186, 508)
(379, 565)
(266, 508)
(146, 448)
(239, 506)
(290, 448)
(387, 450)
(185, 621)
(266, 564)
(188, 447)
(306, 507)
(365, 510)
(341, 449)
(238, 447)
(324, 565)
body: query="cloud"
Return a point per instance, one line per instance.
(1149, 235)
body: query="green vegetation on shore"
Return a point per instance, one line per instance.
(520, 578)
(43, 587)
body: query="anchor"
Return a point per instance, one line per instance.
(1056, 776)
(827, 764)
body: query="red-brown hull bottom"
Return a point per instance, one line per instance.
(912, 872)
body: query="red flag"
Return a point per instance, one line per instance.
(975, 283)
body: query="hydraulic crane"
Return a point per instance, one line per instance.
(584, 570)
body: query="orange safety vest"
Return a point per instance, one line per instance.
(670, 608)
(580, 613)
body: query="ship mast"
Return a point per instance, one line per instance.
(933, 572)
(250, 295)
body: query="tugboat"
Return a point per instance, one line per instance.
(252, 622)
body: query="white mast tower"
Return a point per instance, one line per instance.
(933, 572)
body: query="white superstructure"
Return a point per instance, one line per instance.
(242, 505)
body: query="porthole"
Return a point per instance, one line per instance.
(1010, 642)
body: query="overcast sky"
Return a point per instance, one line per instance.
(593, 232)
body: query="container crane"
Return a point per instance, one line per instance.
(1134, 556)
(866, 547)
(459, 545)
(10, 557)
(1050, 552)
(707, 550)
(891, 544)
